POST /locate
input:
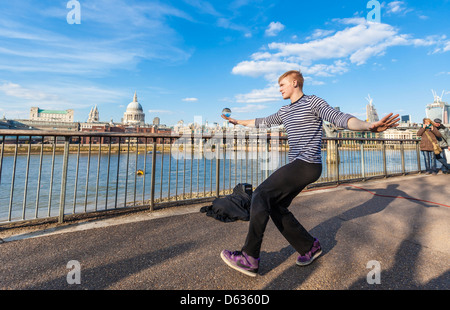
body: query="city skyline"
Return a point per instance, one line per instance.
(193, 58)
(371, 114)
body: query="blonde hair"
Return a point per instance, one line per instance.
(294, 75)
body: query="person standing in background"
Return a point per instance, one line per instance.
(428, 132)
(444, 144)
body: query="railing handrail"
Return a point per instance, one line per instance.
(40, 133)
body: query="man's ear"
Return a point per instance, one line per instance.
(295, 83)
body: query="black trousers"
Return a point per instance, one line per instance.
(272, 199)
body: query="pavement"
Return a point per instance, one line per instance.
(386, 234)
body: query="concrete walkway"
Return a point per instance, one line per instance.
(399, 225)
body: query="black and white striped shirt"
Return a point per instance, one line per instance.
(302, 121)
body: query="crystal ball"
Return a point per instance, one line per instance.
(226, 112)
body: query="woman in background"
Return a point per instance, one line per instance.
(428, 132)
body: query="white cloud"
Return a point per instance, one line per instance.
(356, 44)
(441, 44)
(446, 47)
(268, 94)
(55, 96)
(362, 41)
(120, 36)
(190, 99)
(228, 24)
(397, 7)
(274, 28)
(319, 33)
(268, 68)
(203, 6)
(222, 20)
(326, 54)
(323, 70)
(17, 91)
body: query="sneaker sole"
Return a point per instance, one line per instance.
(311, 260)
(246, 272)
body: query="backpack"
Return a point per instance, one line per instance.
(233, 207)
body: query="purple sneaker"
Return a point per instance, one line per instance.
(310, 256)
(241, 262)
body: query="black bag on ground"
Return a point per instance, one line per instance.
(233, 207)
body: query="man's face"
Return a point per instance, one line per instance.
(287, 86)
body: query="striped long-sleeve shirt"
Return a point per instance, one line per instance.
(303, 123)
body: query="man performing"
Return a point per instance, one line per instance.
(302, 120)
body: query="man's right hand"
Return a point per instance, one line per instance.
(231, 120)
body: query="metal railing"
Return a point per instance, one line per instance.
(51, 175)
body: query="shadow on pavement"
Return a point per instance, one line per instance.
(326, 232)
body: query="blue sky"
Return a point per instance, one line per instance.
(191, 58)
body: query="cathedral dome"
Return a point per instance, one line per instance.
(134, 105)
(134, 115)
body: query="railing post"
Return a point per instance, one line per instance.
(218, 170)
(384, 159)
(336, 145)
(363, 168)
(1, 157)
(224, 143)
(217, 174)
(24, 205)
(402, 153)
(13, 179)
(419, 167)
(266, 173)
(62, 197)
(152, 185)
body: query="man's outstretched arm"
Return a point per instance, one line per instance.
(248, 123)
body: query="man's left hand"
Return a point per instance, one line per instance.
(386, 122)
